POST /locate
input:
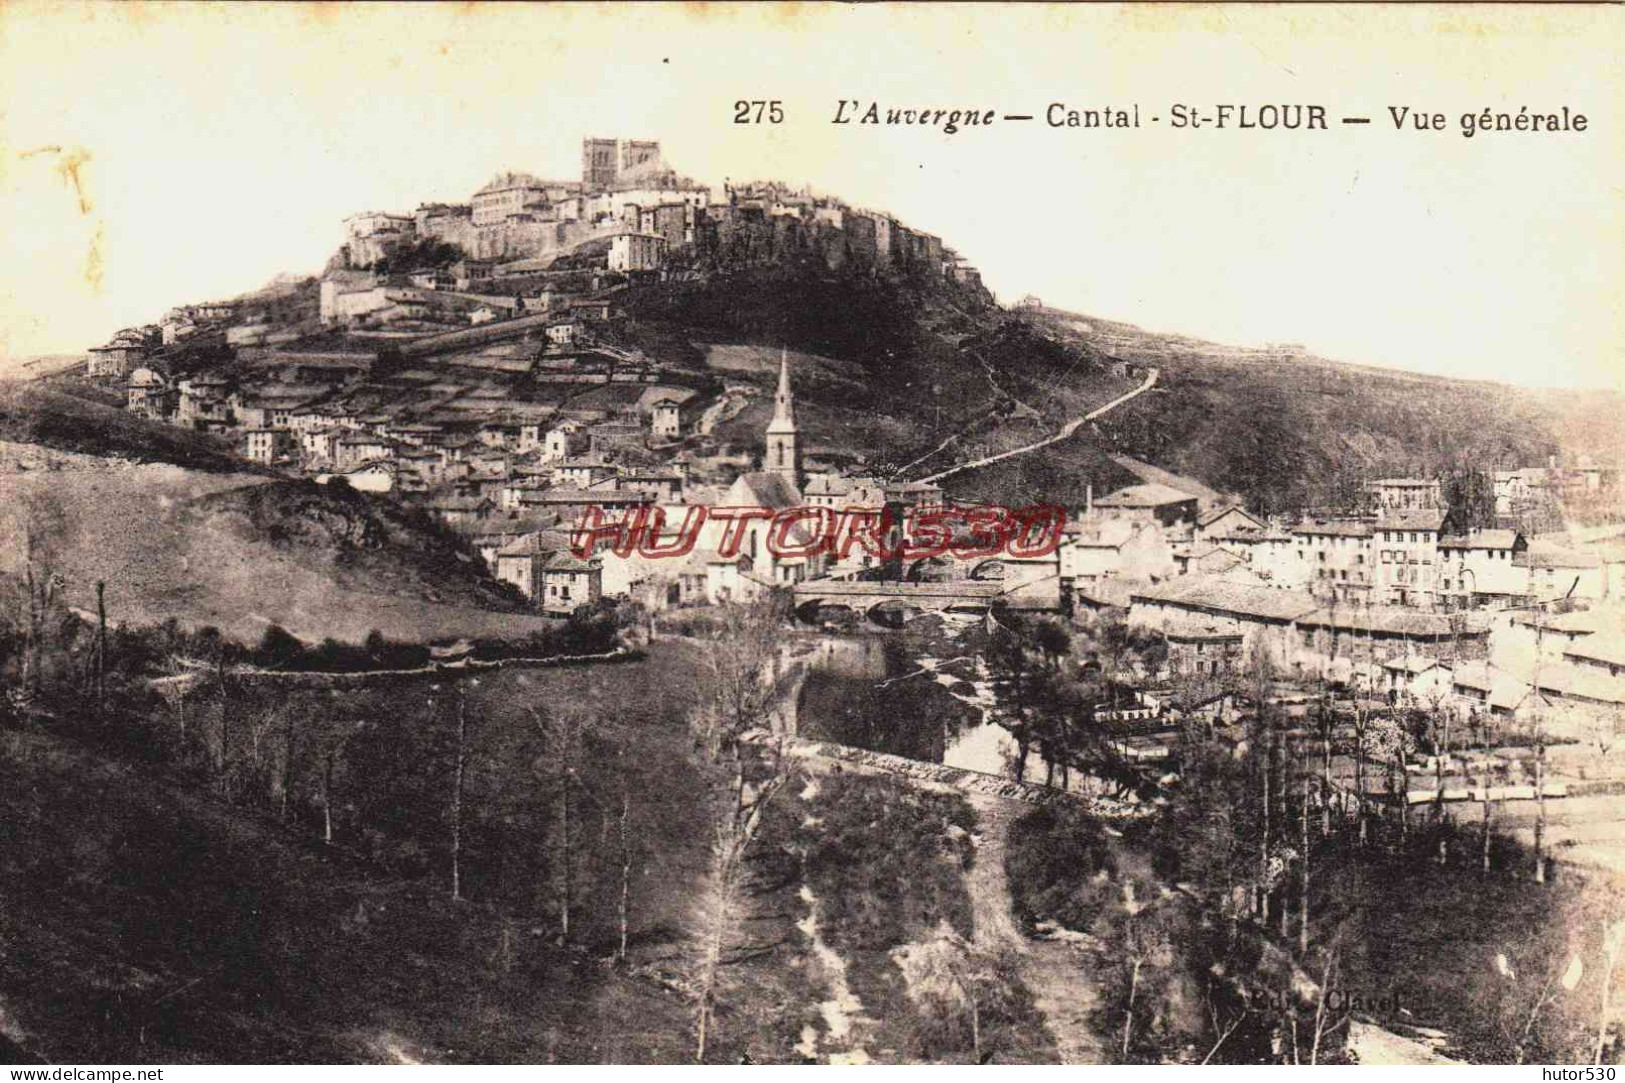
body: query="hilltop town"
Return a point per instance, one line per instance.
(980, 773)
(482, 360)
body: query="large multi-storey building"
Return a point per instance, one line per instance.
(1408, 493)
(1480, 567)
(1407, 545)
(371, 223)
(1336, 557)
(507, 195)
(635, 251)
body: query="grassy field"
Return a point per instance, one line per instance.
(1289, 430)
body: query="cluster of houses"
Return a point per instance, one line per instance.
(1400, 556)
(131, 347)
(1386, 591)
(1390, 603)
(628, 215)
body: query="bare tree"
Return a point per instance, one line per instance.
(1143, 934)
(624, 910)
(174, 687)
(738, 790)
(1613, 941)
(563, 733)
(224, 689)
(332, 763)
(1303, 872)
(459, 779)
(1538, 734)
(43, 527)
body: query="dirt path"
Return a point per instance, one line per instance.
(844, 1021)
(1055, 972)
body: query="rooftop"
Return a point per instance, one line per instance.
(769, 490)
(1480, 539)
(1111, 592)
(1337, 529)
(1219, 596)
(1219, 513)
(1410, 519)
(1609, 649)
(1394, 620)
(1541, 555)
(1149, 495)
(1582, 682)
(534, 544)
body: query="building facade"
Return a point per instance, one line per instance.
(636, 251)
(1406, 541)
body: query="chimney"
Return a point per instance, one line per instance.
(1089, 498)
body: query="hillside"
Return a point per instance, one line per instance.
(913, 372)
(240, 552)
(33, 413)
(896, 370)
(162, 925)
(1285, 429)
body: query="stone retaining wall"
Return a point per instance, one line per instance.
(955, 777)
(432, 671)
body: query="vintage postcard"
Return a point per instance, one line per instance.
(722, 533)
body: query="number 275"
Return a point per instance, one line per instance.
(753, 112)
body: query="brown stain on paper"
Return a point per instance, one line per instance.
(70, 160)
(93, 262)
(70, 167)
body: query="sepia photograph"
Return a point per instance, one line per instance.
(782, 534)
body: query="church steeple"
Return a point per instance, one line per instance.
(783, 450)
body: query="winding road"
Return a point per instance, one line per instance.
(1065, 432)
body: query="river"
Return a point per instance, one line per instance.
(925, 697)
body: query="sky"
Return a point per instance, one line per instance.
(153, 154)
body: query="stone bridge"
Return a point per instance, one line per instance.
(894, 602)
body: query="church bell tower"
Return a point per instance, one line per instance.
(783, 450)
